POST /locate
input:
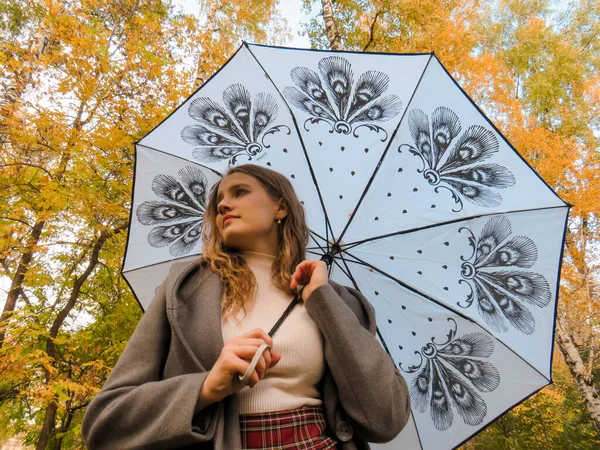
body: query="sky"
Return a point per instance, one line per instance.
(290, 9)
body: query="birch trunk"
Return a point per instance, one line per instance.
(583, 377)
(335, 42)
(13, 91)
(577, 248)
(202, 70)
(8, 98)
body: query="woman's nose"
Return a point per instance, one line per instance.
(223, 206)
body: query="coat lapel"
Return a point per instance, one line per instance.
(195, 313)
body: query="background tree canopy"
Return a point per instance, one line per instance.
(81, 81)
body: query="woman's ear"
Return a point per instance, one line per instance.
(282, 210)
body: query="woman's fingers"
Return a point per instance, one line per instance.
(248, 341)
(267, 359)
(258, 333)
(261, 367)
(275, 358)
(310, 274)
(302, 274)
(246, 352)
(241, 366)
(242, 350)
(295, 280)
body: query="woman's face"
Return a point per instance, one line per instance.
(247, 215)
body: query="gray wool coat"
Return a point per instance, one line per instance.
(148, 401)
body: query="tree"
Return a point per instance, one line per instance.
(228, 22)
(106, 74)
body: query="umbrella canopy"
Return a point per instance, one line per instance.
(422, 203)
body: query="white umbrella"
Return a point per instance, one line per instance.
(421, 202)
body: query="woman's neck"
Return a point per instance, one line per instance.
(260, 263)
(261, 248)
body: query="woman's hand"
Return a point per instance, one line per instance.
(311, 274)
(235, 358)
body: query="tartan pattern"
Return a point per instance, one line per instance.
(302, 429)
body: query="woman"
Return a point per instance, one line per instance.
(324, 383)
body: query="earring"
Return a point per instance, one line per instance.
(278, 221)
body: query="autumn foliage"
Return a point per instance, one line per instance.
(81, 81)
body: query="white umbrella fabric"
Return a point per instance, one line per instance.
(419, 200)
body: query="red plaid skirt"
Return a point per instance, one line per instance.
(302, 428)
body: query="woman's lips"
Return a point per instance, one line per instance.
(229, 219)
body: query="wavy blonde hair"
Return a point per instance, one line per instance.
(239, 283)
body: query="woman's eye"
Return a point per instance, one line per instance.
(240, 191)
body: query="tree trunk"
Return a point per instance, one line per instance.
(13, 91)
(577, 248)
(58, 443)
(335, 43)
(64, 427)
(15, 88)
(48, 426)
(25, 260)
(202, 71)
(50, 418)
(583, 379)
(64, 312)
(17, 281)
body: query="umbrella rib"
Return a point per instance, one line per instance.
(449, 222)
(328, 228)
(348, 273)
(345, 271)
(341, 256)
(385, 151)
(446, 307)
(498, 131)
(499, 416)
(137, 147)
(317, 50)
(557, 286)
(191, 96)
(181, 158)
(318, 235)
(323, 250)
(131, 202)
(172, 260)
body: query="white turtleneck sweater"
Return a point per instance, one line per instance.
(292, 382)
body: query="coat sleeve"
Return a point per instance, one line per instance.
(136, 407)
(372, 391)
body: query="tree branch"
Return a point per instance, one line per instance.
(17, 281)
(16, 220)
(29, 165)
(372, 30)
(77, 285)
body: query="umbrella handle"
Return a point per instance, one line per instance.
(246, 377)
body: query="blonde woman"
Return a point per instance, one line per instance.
(322, 382)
